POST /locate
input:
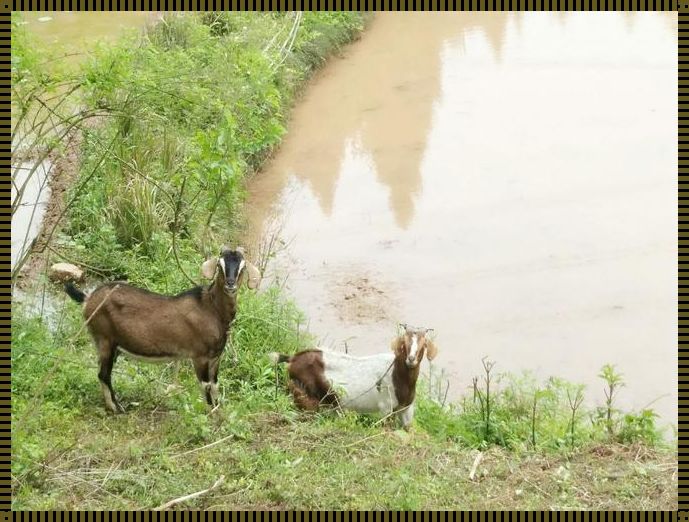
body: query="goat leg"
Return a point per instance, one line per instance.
(213, 374)
(301, 397)
(405, 416)
(202, 368)
(107, 353)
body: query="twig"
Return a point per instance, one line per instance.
(266, 321)
(203, 447)
(107, 476)
(364, 439)
(535, 486)
(286, 47)
(394, 412)
(533, 419)
(447, 389)
(76, 194)
(178, 206)
(179, 500)
(487, 367)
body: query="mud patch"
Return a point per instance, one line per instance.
(359, 300)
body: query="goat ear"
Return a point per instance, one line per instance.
(253, 276)
(396, 345)
(431, 350)
(208, 268)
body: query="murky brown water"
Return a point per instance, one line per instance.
(72, 29)
(507, 179)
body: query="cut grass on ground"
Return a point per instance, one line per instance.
(291, 461)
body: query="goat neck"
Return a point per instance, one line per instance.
(224, 303)
(404, 380)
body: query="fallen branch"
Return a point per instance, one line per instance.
(364, 439)
(179, 500)
(203, 447)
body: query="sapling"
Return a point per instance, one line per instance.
(574, 404)
(487, 367)
(613, 381)
(485, 404)
(533, 417)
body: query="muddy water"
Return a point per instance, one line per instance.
(72, 29)
(507, 179)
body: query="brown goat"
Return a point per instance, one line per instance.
(153, 327)
(383, 383)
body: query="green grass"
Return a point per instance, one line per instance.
(70, 453)
(186, 113)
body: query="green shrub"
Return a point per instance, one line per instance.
(640, 427)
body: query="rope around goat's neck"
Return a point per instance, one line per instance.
(379, 382)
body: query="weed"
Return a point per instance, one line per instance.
(640, 427)
(533, 417)
(575, 397)
(613, 381)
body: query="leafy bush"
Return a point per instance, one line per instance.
(640, 427)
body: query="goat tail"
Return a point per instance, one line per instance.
(73, 292)
(277, 358)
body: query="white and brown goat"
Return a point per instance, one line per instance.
(384, 383)
(153, 327)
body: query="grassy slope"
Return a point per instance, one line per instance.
(68, 452)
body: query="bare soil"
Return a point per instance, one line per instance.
(358, 300)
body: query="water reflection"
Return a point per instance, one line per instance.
(382, 95)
